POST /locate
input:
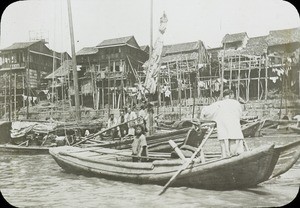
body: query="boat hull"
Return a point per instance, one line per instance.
(245, 170)
(15, 149)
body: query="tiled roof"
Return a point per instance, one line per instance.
(256, 46)
(62, 71)
(181, 47)
(115, 41)
(230, 38)
(19, 45)
(179, 57)
(87, 51)
(279, 37)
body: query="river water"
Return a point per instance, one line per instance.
(37, 181)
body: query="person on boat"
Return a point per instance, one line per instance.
(139, 144)
(227, 114)
(122, 129)
(112, 121)
(143, 114)
(131, 116)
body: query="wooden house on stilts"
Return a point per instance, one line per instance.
(109, 71)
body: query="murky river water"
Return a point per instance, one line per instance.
(37, 181)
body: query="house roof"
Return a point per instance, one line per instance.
(129, 40)
(181, 47)
(19, 45)
(230, 38)
(179, 57)
(62, 71)
(279, 37)
(87, 51)
(145, 48)
(256, 46)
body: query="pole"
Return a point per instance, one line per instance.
(53, 68)
(28, 86)
(75, 76)
(222, 72)
(151, 28)
(9, 92)
(15, 96)
(5, 92)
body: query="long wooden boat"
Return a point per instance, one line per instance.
(16, 149)
(245, 170)
(248, 129)
(113, 144)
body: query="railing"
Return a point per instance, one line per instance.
(13, 65)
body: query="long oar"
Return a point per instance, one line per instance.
(101, 132)
(186, 164)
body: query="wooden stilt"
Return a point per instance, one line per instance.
(170, 82)
(239, 78)
(258, 81)
(5, 94)
(266, 79)
(15, 96)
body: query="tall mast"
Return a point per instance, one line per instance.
(75, 77)
(151, 28)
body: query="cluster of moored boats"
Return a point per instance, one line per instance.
(97, 154)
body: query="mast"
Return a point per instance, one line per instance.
(151, 28)
(75, 77)
(151, 119)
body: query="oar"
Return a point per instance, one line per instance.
(186, 164)
(101, 132)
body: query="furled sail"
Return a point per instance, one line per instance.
(152, 66)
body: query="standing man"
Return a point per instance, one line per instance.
(227, 114)
(123, 129)
(131, 124)
(112, 121)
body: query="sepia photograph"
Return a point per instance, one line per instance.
(149, 103)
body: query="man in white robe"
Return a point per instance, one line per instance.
(227, 114)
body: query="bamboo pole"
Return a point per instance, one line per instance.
(28, 85)
(75, 76)
(53, 68)
(222, 72)
(258, 82)
(5, 92)
(179, 89)
(92, 82)
(23, 89)
(115, 92)
(230, 78)
(266, 79)
(169, 73)
(108, 85)
(239, 76)
(15, 96)
(9, 91)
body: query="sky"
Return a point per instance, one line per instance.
(97, 20)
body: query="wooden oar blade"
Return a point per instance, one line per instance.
(173, 177)
(185, 165)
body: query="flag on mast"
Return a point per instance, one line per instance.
(152, 66)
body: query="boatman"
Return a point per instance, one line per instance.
(227, 114)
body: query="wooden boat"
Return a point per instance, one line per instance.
(16, 149)
(245, 170)
(295, 128)
(156, 138)
(168, 125)
(248, 129)
(113, 144)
